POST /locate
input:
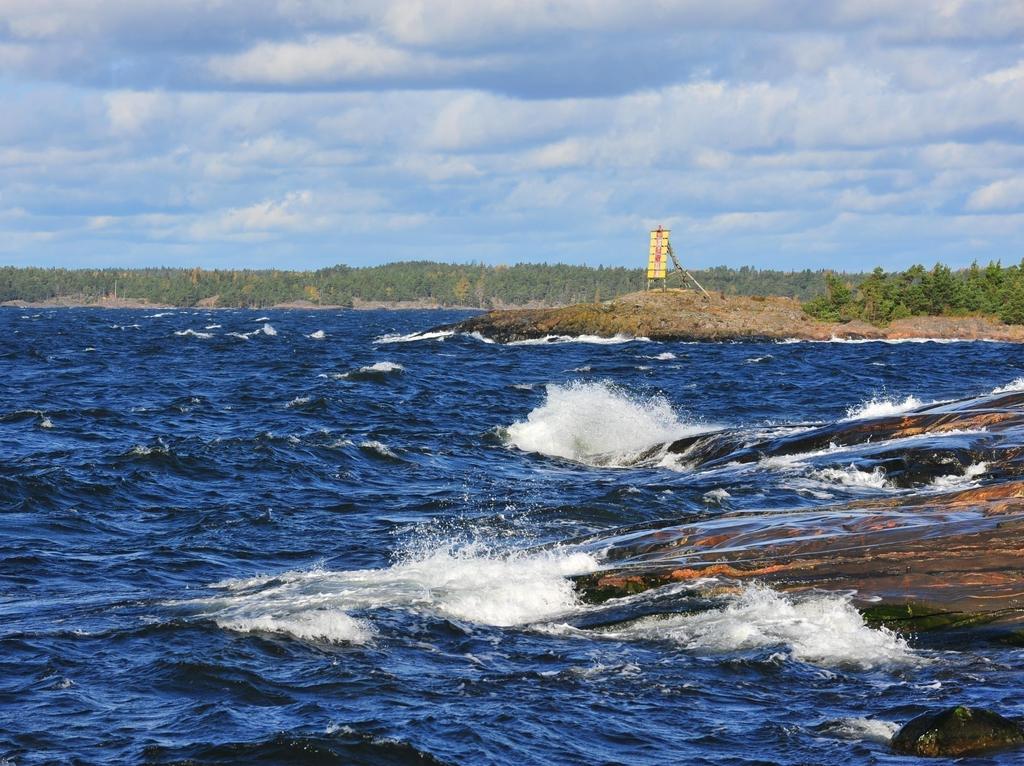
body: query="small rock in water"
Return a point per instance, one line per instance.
(957, 731)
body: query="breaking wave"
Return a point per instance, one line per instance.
(415, 336)
(470, 583)
(194, 333)
(594, 339)
(598, 424)
(878, 407)
(821, 630)
(375, 371)
(317, 335)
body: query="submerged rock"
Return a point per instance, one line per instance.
(957, 731)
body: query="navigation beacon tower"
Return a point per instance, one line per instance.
(657, 261)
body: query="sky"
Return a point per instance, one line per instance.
(782, 134)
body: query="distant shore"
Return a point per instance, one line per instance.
(686, 315)
(357, 305)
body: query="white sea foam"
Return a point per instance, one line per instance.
(663, 356)
(194, 334)
(879, 406)
(1016, 385)
(594, 339)
(298, 401)
(312, 625)
(820, 629)
(477, 336)
(958, 481)
(716, 495)
(268, 329)
(598, 424)
(890, 341)
(469, 583)
(161, 314)
(45, 423)
(415, 336)
(375, 370)
(379, 447)
(261, 319)
(851, 476)
(318, 335)
(862, 729)
(212, 327)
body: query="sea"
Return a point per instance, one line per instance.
(339, 537)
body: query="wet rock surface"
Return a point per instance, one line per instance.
(956, 732)
(940, 560)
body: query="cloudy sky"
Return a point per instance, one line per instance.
(303, 133)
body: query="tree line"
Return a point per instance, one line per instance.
(881, 297)
(442, 284)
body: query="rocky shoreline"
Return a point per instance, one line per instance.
(685, 315)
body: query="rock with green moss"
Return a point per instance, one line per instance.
(958, 731)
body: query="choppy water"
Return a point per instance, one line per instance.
(290, 537)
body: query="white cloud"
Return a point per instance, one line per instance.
(318, 60)
(1007, 194)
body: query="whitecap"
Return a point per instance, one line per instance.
(268, 329)
(373, 371)
(961, 481)
(379, 448)
(598, 424)
(46, 423)
(212, 327)
(851, 476)
(470, 583)
(318, 335)
(878, 407)
(822, 630)
(593, 339)
(862, 729)
(193, 333)
(261, 319)
(298, 401)
(1015, 385)
(415, 336)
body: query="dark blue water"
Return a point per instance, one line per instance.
(244, 548)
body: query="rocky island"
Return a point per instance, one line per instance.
(687, 315)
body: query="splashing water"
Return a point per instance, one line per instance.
(878, 407)
(470, 583)
(821, 630)
(598, 424)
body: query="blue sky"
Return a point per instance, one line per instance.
(291, 134)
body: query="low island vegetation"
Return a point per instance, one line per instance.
(882, 297)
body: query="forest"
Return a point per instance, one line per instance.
(881, 297)
(441, 284)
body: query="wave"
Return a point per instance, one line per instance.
(194, 333)
(268, 329)
(212, 327)
(878, 407)
(379, 448)
(851, 476)
(470, 583)
(318, 335)
(961, 481)
(821, 630)
(598, 424)
(1015, 385)
(889, 341)
(415, 336)
(594, 339)
(375, 371)
(861, 729)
